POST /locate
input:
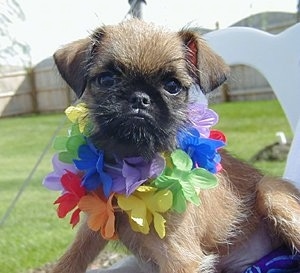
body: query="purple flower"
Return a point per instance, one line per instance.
(91, 162)
(202, 118)
(53, 180)
(133, 172)
(203, 151)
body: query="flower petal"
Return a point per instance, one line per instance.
(203, 179)
(137, 209)
(189, 191)
(108, 231)
(106, 182)
(145, 228)
(59, 143)
(181, 160)
(100, 162)
(179, 201)
(66, 157)
(72, 183)
(52, 182)
(217, 135)
(75, 217)
(96, 221)
(77, 113)
(100, 214)
(132, 177)
(165, 181)
(60, 167)
(157, 166)
(128, 203)
(88, 159)
(159, 225)
(91, 180)
(67, 203)
(160, 201)
(96, 210)
(92, 204)
(73, 143)
(202, 118)
(118, 184)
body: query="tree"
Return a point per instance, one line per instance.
(11, 49)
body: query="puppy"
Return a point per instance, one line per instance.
(135, 79)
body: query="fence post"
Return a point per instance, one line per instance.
(31, 76)
(225, 92)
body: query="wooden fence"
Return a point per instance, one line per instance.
(41, 89)
(245, 83)
(36, 90)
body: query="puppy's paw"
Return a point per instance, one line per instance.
(205, 265)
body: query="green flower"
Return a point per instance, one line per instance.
(183, 181)
(68, 145)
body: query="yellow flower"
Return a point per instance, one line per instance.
(144, 207)
(78, 113)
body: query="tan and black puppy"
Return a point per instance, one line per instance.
(135, 79)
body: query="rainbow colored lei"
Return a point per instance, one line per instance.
(143, 190)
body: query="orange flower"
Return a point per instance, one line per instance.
(100, 214)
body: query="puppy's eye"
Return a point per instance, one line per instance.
(106, 79)
(172, 86)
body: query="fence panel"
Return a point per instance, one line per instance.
(45, 91)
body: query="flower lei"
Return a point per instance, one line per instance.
(143, 190)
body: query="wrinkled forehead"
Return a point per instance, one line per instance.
(140, 47)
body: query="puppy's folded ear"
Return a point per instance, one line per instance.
(208, 69)
(72, 61)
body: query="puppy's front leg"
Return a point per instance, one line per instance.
(279, 202)
(81, 253)
(182, 254)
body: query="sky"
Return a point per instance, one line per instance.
(50, 24)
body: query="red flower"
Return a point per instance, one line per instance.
(70, 199)
(217, 135)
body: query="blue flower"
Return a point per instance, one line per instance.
(91, 162)
(203, 151)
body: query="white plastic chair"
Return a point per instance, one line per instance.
(277, 57)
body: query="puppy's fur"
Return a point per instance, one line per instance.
(135, 79)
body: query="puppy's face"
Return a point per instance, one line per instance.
(135, 80)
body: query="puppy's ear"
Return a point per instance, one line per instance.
(208, 69)
(72, 61)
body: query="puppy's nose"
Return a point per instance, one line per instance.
(139, 100)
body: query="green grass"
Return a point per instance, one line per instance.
(32, 235)
(250, 126)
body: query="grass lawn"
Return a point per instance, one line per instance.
(33, 235)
